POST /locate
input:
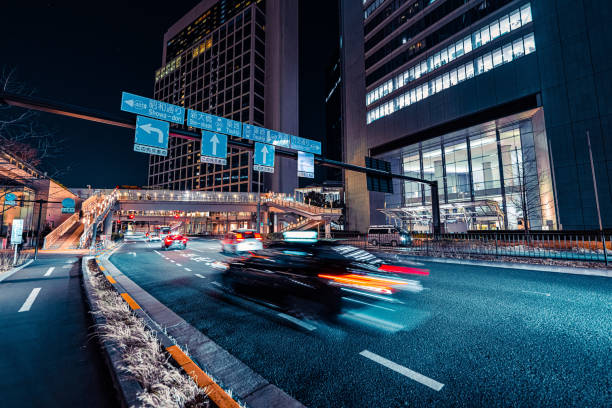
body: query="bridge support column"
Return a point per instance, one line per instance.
(108, 225)
(327, 228)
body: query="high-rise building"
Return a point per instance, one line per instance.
(494, 99)
(236, 59)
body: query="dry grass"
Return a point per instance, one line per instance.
(6, 260)
(163, 384)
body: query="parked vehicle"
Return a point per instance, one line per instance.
(388, 235)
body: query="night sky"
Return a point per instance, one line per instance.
(86, 53)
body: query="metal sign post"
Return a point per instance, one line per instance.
(16, 236)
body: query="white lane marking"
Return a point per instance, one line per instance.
(217, 284)
(178, 264)
(369, 304)
(536, 293)
(433, 384)
(30, 300)
(69, 261)
(188, 270)
(50, 270)
(299, 322)
(66, 266)
(197, 250)
(172, 260)
(157, 252)
(199, 276)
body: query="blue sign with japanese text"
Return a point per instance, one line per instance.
(263, 135)
(151, 132)
(214, 148)
(150, 107)
(264, 157)
(10, 199)
(305, 145)
(213, 123)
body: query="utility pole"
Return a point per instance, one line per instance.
(603, 236)
(40, 203)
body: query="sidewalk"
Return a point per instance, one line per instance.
(48, 358)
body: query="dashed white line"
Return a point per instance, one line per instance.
(433, 384)
(199, 276)
(188, 270)
(30, 300)
(536, 293)
(297, 321)
(368, 304)
(157, 253)
(49, 271)
(178, 264)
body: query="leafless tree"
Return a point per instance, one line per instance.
(21, 132)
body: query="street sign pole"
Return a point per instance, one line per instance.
(259, 201)
(40, 203)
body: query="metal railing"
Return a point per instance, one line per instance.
(52, 237)
(303, 222)
(95, 212)
(558, 246)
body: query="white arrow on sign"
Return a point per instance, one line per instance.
(215, 141)
(264, 151)
(150, 128)
(130, 103)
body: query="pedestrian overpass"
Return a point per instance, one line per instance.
(198, 212)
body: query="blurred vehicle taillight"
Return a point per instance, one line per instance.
(239, 237)
(258, 236)
(403, 269)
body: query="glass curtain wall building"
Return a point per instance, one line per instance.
(495, 175)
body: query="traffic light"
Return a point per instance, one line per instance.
(131, 216)
(381, 184)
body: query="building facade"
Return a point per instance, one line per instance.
(494, 99)
(236, 59)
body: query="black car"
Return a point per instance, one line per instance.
(314, 275)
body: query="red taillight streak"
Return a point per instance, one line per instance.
(370, 283)
(403, 269)
(258, 236)
(239, 238)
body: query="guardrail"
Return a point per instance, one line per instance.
(557, 246)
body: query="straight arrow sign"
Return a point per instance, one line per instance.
(214, 148)
(214, 140)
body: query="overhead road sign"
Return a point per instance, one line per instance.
(263, 135)
(382, 184)
(151, 136)
(213, 123)
(214, 148)
(150, 107)
(305, 145)
(264, 158)
(10, 199)
(68, 205)
(305, 165)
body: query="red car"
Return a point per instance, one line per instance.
(174, 241)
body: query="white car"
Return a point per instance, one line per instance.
(241, 240)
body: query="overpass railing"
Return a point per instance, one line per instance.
(93, 213)
(52, 237)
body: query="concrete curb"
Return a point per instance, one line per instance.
(229, 372)
(127, 389)
(514, 265)
(10, 273)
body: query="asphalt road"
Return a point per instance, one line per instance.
(47, 355)
(475, 336)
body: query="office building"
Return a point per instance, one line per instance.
(236, 59)
(493, 99)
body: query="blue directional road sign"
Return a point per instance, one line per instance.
(151, 136)
(264, 158)
(263, 135)
(213, 123)
(305, 145)
(67, 205)
(150, 107)
(214, 148)
(10, 199)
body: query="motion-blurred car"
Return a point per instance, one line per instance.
(316, 275)
(152, 236)
(174, 242)
(241, 240)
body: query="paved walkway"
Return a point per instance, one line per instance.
(47, 357)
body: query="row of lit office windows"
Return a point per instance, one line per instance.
(504, 25)
(509, 52)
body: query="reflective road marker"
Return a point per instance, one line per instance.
(433, 384)
(49, 271)
(30, 300)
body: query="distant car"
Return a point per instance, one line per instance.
(388, 235)
(174, 241)
(241, 240)
(316, 275)
(152, 236)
